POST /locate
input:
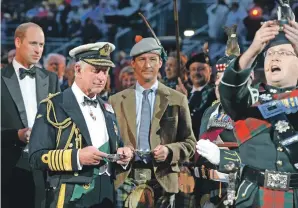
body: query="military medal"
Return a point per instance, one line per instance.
(282, 126)
(115, 128)
(92, 114)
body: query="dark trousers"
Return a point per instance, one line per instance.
(18, 190)
(102, 196)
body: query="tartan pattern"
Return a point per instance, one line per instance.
(248, 128)
(130, 184)
(272, 198)
(207, 90)
(186, 200)
(123, 191)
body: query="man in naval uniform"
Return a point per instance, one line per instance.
(265, 120)
(155, 122)
(76, 133)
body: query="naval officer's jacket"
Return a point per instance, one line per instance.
(59, 132)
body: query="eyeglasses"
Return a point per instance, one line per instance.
(280, 53)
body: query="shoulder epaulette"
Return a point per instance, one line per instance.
(50, 96)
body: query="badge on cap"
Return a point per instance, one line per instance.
(105, 50)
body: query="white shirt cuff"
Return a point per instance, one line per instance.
(80, 167)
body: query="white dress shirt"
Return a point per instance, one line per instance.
(194, 89)
(97, 128)
(28, 90)
(139, 97)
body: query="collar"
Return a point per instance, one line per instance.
(194, 89)
(140, 89)
(16, 65)
(79, 94)
(274, 90)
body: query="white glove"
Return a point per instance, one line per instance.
(209, 150)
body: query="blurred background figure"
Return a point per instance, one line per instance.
(11, 55)
(57, 63)
(70, 72)
(171, 70)
(127, 77)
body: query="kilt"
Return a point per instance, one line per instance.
(267, 198)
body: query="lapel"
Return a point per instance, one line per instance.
(11, 80)
(42, 85)
(160, 106)
(72, 108)
(128, 106)
(110, 125)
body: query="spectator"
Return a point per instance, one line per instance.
(70, 73)
(90, 32)
(217, 14)
(11, 54)
(127, 77)
(235, 16)
(253, 22)
(171, 70)
(57, 63)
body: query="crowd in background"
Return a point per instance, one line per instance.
(87, 19)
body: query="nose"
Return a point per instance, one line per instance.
(147, 63)
(38, 49)
(101, 76)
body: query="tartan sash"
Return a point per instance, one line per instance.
(248, 128)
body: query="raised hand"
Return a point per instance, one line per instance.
(266, 33)
(291, 32)
(180, 87)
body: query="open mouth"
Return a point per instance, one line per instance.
(275, 69)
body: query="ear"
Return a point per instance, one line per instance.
(78, 70)
(17, 42)
(133, 63)
(160, 62)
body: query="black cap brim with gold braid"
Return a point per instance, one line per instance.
(96, 54)
(232, 49)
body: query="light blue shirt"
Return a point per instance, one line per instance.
(139, 97)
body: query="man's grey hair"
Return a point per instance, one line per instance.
(81, 64)
(53, 55)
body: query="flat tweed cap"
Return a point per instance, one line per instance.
(144, 46)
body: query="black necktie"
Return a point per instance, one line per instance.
(90, 102)
(27, 72)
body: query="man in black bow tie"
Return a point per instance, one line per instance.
(80, 136)
(23, 86)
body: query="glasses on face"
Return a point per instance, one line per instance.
(280, 53)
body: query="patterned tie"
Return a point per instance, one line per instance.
(27, 72)
(144, 131)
